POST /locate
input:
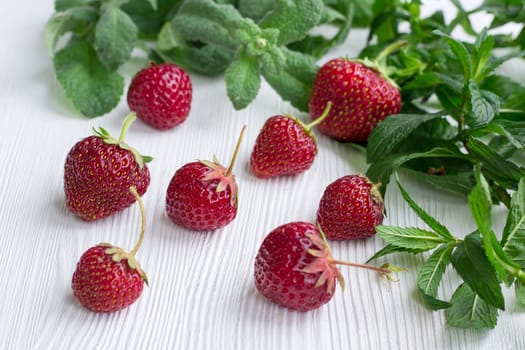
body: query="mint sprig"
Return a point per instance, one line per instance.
(484, 262)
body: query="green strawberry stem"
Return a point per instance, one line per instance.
(381, 270)
(133, 190)
(235, 152)
(387, 51)
(127, 122)
(322, 117)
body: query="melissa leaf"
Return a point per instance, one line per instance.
(293, 19)
(430, 276)
(468, 310)
(243, 79)
(115, 36)
(87, 82)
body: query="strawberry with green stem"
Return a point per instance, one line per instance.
(294, 267)
(107, 278)
(285, 146)
(202, 195)
(98, 172)
(361, 92)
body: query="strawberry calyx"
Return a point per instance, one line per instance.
(110, 140)
(327, 265)
(118, 254)
(225, 175)
(379, 63)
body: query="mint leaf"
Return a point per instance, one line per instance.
(293, 19)
(513, 240)
(430, 276)
(423, 215)
(461, 183)
(256, 9)
(62, 5)
(471, 263)
(392, 131)
(293, 81)
(468, 310)
(513, 131)
(480, 204)
(242, 79)
(390, 249)
(461, 53)
(485, 105)
(59, 24)
(87, 82)
(115, 36)
(409, 237)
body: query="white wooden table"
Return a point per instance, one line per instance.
(201, 293)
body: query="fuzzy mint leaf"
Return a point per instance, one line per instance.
(293, 81)
(430, 276)
(409, 237)
(293, 19)
(115, 36)
(392, 131)
(471, 263)
(243, 80)
(468, 310)
(87, 82)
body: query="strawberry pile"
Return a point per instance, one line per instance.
(294, 266)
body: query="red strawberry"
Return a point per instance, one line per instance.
(284, 146)
(361, 94)
(202, 195)
(161, 95)
(108, 279)
(350, 208)
(295, 269)
(98, 173)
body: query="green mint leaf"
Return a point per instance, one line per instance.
(423, 215)
(293, 19)
(392, 131)
(483, 45)
(87, 82)
(115, 36)
(461, 183)
(153, 3)
(485, 105)
(243, 79)
(208, 22)
(390, 249)
(513, 131)
(468, 310)
(519, 288)
(381, 170)
(59, 24)
(480, 204)
(255, 9)
(149, 20)
(410, 237)
(513, 240)
(62, 5)
(461, 53)
(471, 263)
(293, 82)
(430, 276)
(505, 172)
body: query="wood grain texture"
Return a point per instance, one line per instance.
(201, 293)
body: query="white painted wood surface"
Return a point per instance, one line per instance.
(201, 293)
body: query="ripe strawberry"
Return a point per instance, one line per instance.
(362, 96)
(284, 146)
(161, 95)
(98, 172)
(202, 195)
(108, 279)
(295, 269)
(350, 208)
